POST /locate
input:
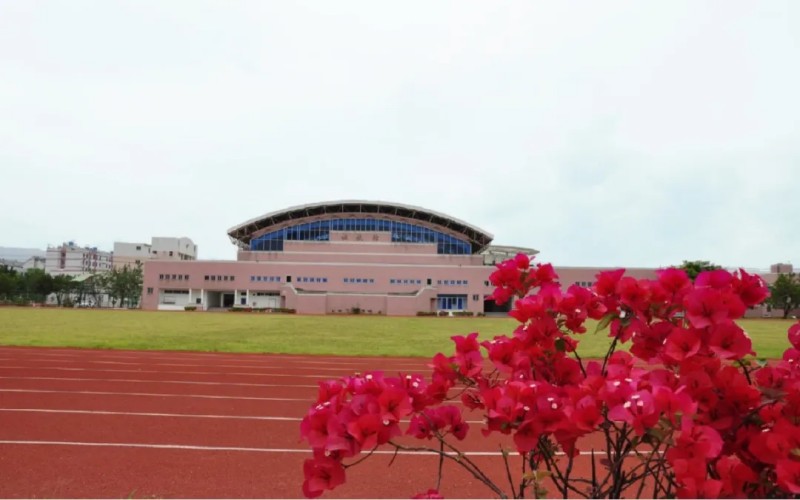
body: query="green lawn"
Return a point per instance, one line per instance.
(242, 332)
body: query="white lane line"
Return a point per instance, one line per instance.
(112, 353)
(239, 448)
(189, 382)
(267, 364)
(310, 401)
(145, 414)
(108, 393)
(113, 370)
(177, 415)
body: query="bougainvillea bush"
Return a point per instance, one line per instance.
(679, 402)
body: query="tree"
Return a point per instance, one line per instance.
(785, 293)
(37, 284)
(62, 287)
(125, 284)
(695, 267)
(9, 282)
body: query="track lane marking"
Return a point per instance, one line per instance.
(266, 364)
(122, 354)
(245, 449)
(189, 382)
(177, 415)
(245, 374)
(148, 394)
(146, 414)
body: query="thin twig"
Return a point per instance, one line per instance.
(467, 464)
(508, 473)
(346, 466)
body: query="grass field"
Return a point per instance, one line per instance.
(241, 332)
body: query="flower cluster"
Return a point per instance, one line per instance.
(362, 412)
(686, 398)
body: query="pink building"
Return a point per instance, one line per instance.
(346, 256)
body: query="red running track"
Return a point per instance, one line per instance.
(143, 424)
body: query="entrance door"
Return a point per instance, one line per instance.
(227, 300)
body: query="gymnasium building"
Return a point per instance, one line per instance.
(343, 257)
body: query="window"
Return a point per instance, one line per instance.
(401, 232)
(324, 280)
(161, 276)
(180, 277)
(288, 279)
(205, 278)
(486, 283)
(476, 297)
(225, 278)
(170, 253)
(213, 278)
(233, 278)
(451, 302)
(430, 281)
(149, 291)
(197, 300)
(186, 277)
(138, 247)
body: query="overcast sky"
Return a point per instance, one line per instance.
(601, 133)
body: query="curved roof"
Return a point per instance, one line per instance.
(244, 232)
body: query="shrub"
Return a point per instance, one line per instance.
(463, 313)
(190, 308)
(355, 310)
(686, 406)
(443, 313)
(426, 313)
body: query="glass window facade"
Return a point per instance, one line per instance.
(402, 232)
(451, 302)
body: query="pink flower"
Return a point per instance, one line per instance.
(728, 341)
(321, 474)
(431, 493)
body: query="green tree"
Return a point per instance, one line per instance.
(695, 267)
(36, 285)
(125, 285)
(63, 286)
(9, 283)
(785, 293)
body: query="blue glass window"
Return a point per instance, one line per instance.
(451, 302)
(402, 232)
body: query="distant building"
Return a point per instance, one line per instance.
(69, 258)
(159, 248)
(347, 256)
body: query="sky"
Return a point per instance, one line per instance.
(606, 133)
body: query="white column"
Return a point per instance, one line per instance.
(190, 295)
(247, 296)
(202, 298)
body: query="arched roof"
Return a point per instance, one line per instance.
(244, 232)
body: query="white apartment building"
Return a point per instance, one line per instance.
(159, 248)
(69, 258)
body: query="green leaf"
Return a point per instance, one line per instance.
(603, 324)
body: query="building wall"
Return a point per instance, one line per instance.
(69, 258)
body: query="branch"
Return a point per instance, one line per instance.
(508, 473)
(467, 464)
(347, 466)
